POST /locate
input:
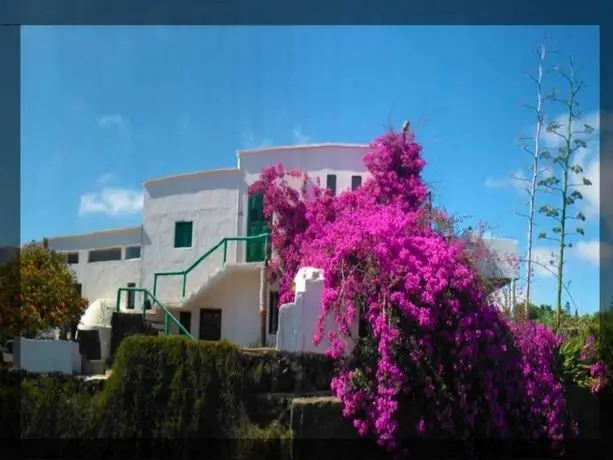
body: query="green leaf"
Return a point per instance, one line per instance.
(545, 155)
(557, 230)
(586, 181)
(542, 235)
(580, 231)
(553, 127)
(576, 195)
(577, 169)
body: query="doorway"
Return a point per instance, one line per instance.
(210, 324)
(256, 225)
(185, 318)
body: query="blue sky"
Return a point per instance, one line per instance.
(105, 108)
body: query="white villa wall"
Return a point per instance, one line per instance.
(46, 356)
(209, 200)
(316, 160)
(100, 280)
(298, 320)
(237, 296)
(215, 201)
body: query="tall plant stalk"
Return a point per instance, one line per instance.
(541, 52)
(536, 153)
(564, 161)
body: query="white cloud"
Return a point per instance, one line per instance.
(594, 251)
(299, 137)
(517, 181)
(112, 201)
(115, 119)
(496, 183)
(544, 261)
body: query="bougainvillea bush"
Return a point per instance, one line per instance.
(435, 358)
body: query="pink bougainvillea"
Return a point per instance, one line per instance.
(435, 357)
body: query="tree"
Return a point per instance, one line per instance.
(536, 170)
(37, 291)
(566, 176)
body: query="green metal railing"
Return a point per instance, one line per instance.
(168, 316)
(223, 243)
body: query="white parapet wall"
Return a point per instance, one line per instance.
(97, 317)
(298, 320)
(46, 356)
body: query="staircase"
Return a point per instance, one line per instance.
(150, 301)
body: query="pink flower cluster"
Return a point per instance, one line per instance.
(432, 341)
(598, 371)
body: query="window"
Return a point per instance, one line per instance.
(70, 257)
(79, 288)
(104, 255)
(131, 301)
(183, 234)
(356, 181)
(331, 183)
(133, 252)
(273, 312)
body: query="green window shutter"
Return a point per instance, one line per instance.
(255, 226)
(183, 234)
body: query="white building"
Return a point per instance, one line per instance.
(183, 218)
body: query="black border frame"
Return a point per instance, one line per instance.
(276, 12)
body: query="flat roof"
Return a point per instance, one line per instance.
(108, 231)
(191, 174)
(240, 153)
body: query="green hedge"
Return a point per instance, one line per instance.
(52, 406)
(161, 389)
(170, 388)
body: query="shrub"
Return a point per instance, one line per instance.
(37, 291)
(171, 387)
(45, 406)
(434, 357)
(262, 443)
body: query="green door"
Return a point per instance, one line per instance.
(256, 252)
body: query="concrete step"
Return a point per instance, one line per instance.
(264, 408)
(94, 367)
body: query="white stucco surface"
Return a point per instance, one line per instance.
(342, 160)
(298, 320)
(46, 356)
(209, 200)
(100, 280)
(237, 296)
(499, 262)
(98, 317)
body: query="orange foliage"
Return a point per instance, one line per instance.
(37, 291)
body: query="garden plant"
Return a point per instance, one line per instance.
(435, 357)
